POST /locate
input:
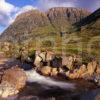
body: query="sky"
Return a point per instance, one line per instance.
(9, 9)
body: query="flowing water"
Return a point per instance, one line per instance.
(33, 76)
(45, 88)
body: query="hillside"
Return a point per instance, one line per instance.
(34, 28)
(35, 23)
(89, 31)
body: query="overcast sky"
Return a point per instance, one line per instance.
(9, 9)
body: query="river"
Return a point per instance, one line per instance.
(40, 87)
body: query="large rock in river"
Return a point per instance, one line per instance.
(46, 70)
(13, 81)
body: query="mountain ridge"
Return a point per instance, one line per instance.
(93, 17)
(35, 22)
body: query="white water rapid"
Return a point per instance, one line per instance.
(33, 76)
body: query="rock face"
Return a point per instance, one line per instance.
(68, 62)
(78, 73)
(25, 24)
(7, 89)
(13, 80)
(62, 17)
(49, 71)
(84, 71)
(46, 70)
(98, 70)
(34, 22)
(15, 76)
(91, 67)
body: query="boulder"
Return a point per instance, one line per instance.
(96, 78)
(15, 76)
(46, 70)
(97, 97)
(13, 81)
(91, 67)
(61, 70)
(50, 55)
(54, 72)
(81, 71)
(73, 75)
(7, 89)
(68, 61)
(77, 73)
(98, 70)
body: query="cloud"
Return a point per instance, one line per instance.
(46, 4)
(22, 10)
(6, 7)
(8, 12)
(95, 5)
(25, 9)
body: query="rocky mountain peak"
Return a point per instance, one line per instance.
(70, 13)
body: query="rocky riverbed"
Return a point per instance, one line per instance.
(30, 85)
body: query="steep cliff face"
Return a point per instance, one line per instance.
(62, 17)
(32, 23)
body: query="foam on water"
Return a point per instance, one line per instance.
(33, 76)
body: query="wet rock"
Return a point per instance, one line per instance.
(56, 62)
(50, 55)
(96, 78)
(29, 98)
(91, 67)
(39, 56)
(54, 72)
(81, 71)
(7, 89)
(77, 73)
(46, 70)
(67, 61)
(97, 97)
(71, 75)
(61, 70)
(13, 81)
(15, 76)
(98, 70)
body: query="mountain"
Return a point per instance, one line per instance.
(61, 18)
(24, 24)
(34, 23)
(89, 19)
(90, 24)
(89, 30)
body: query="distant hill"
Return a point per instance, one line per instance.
(34, 23)
(90, 24)
(89, 19)
(89, 31)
